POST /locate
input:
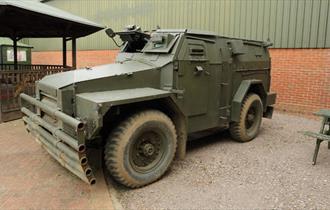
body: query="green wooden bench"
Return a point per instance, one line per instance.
(324, 133)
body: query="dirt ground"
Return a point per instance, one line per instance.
(273, 171)
(31, 179)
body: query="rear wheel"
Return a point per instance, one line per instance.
(250, 119)
(140, 149)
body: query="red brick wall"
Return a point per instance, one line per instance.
(84, 58)
(301, 77)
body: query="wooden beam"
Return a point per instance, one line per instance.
(74, 53)
(64, 50)
(15, 53)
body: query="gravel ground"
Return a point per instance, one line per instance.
(273, 171)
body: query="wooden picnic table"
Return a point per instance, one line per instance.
(324, 133)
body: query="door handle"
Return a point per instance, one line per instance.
(200, 69)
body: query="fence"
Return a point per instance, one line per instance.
(16, 81)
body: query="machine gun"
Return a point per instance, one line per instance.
(133, 38)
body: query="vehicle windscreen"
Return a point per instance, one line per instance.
(134, 41)
(160, 43)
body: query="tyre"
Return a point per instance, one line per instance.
(141, 149)
(250, 119)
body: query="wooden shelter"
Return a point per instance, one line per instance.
(31, 19)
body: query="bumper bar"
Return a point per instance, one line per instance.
(55, 131)
(68, 151)
(76, 124)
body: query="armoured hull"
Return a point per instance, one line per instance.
(162, 87)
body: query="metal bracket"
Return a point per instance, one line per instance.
(179, 93)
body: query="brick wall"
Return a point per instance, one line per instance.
(84, 58)
(301, 77)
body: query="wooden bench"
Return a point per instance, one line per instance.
(324, 133)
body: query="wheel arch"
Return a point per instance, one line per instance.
(116, 114)
(247, 86)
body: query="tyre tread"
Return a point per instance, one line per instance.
(114, 142)
(236, 128)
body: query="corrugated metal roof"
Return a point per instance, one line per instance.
(9, 42)
(30, 18)
(45, 9)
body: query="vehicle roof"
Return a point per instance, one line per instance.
(202, 33)
(187, 31)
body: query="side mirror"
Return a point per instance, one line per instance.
(110, 33)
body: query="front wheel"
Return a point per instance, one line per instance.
(250, 119)
(141, 148)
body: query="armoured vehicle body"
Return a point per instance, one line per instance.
(162, 87)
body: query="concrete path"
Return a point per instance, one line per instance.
(31, 179)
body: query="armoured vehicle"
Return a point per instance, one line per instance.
(164, 85)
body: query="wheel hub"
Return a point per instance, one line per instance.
(250, 117)
(148, 149)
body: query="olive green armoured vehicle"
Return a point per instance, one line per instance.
(164, 86)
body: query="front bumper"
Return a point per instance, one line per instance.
(69, 151)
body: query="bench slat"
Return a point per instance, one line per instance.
(317, 135)
(323, 113)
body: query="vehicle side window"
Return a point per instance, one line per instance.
(197, 52)
(194, 50)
